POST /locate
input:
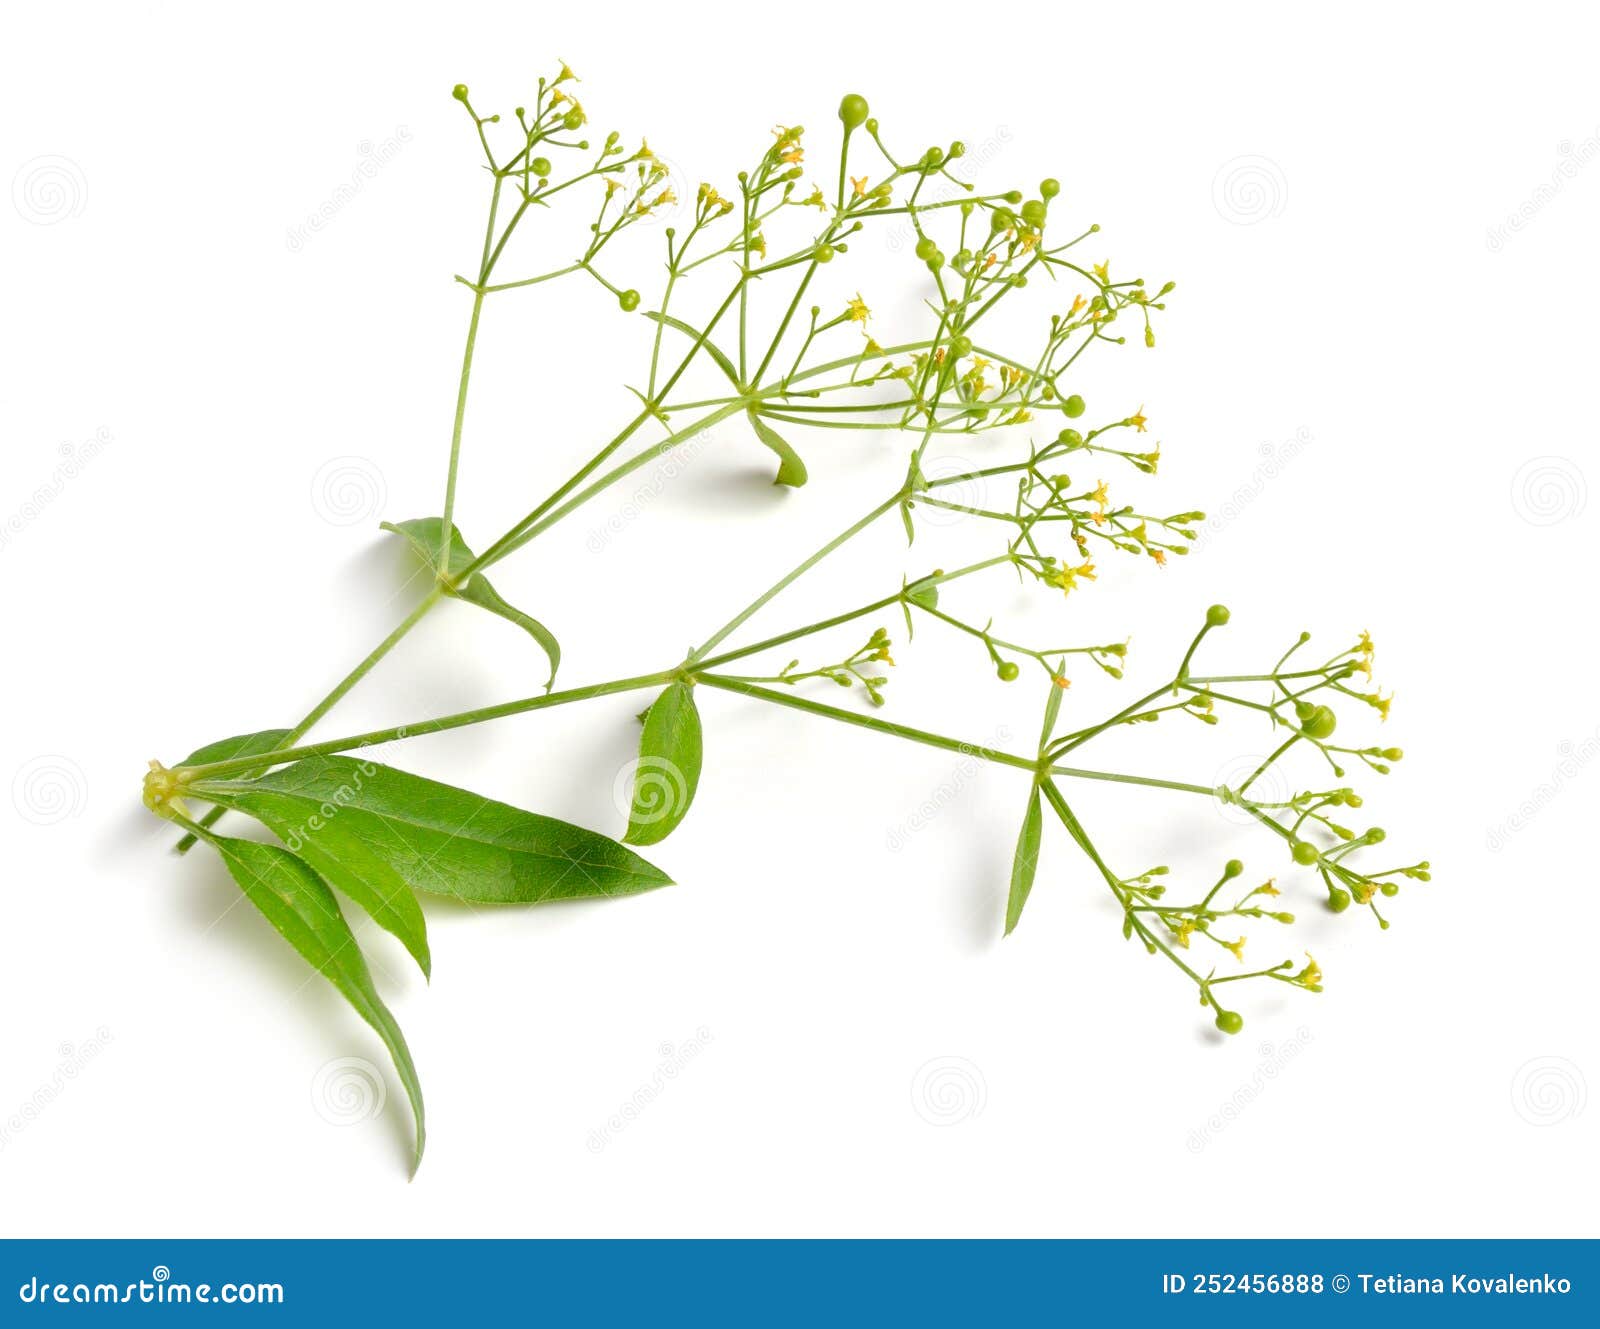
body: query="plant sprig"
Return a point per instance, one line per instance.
(377, 835)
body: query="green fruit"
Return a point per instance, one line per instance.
(1230, 1022)
(823, 253)
(1217, 616)
(1319, 724)
(1049, 188)
(1033, 212)
(1002, 219)
(572, 119)
(926, 249)
(541, 166)
(459, 92)
(1304, 853)
(1338, 900)
(629, 300)
(1232, 868)
(1008, 671)
(960, 346)
(853, 110)
(1073, 406)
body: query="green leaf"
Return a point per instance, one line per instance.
(668, 769)
(694, 334)
(241, 745)
(423, 533)
(299, 904)
(1026, 862)
(394, 829)
(791, 470)
(1052, 706)
(225, 749)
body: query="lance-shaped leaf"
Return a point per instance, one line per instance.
(395, 830)
(791, 470)
(299, 904)
(668, 769)
(1026, 862)
(225, 749)
(423, 534)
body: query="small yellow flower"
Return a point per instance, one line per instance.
(860, 186)
(1061, 681)
(1067, 577)
(1311, 975)
(1365, 644)
(1237, 947)
(857, 309)
(1138, 420)
(1100, 496)
(1103, 270)
(1078, 304)
(1160, 556)
(566, 73)
(1267, 887)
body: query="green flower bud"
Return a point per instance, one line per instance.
(629, 300)
(1232, 868)
(1049, 187)
(459, 92)
(1073, 406)
(1217, 616)
(853, 111)
(1230, 1022)
(1008, 671)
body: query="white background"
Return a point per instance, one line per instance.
(1360, 373)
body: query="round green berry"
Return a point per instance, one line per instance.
(960, 346)
(1070, 438)
(629, 300)
(1049, 187)
(1008, 671)
(1217, 616)
(853, 110)
(1002, 219)
(541, 166)
(1338, 900)
(1320, 724)
(1033, 212)
(572, 119)
(1232, 868)
(823, 253)
(1230, 1022)
(1390, 888)
(926, 249)
(1304, 853)
(1073, 406)
(459, 92)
